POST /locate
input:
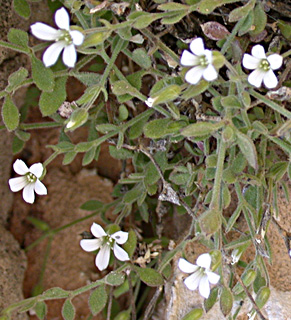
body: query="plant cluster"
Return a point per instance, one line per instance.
(199, 131)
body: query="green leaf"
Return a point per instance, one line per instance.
(248, 278)
(195, 314)
(123, 315)
(193, 91)
(136, 130)
(141, 57)
(200, 129)
(248, 149)
(131, 242)
(278, 170)
(149, 276)
(114, 278)
(143, 20)
(285, 28)
(260, 20)
(168, 93)
(210, 301)
(241, 11)
(98, 300)
(233, 218)
(133, 194)
(90, 155)
(122, 112)
(49, 102)
(122, 86)
(68, 310)
(91, 205)
(10, 114)
(69, 157)
(54, 293)
(43, 77)
(22, 8)
(230, 101)
(16, 78)
(17, 145)
(121, 154)
(246, 24)
(39, 224)
(174, 17)
(207, 6)
(29, 304)
(156, 128)
(210, 221)
(106, 127)
(262, 297)
(18, 37)
(226, 301)
(40, 310)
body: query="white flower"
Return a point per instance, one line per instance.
(64, 39)
(201, 275)
(105, 242)
(149, 102)
(29, 181)
(263, 67)
(201, 60)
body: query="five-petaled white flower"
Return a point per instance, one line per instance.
(201, 275)
(105, 242)
(201, 60)
(263, 67)
(64, 39)
(29, 181)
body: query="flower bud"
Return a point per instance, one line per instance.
(78, 118)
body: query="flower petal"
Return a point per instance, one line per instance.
(258, 51)
(28, 193)
(275, 61)
(20, 167)
(70, 56)
(188, 59)
(250, 62)
(194, 75)
(210, 74)
(256, 77)
(77, 37)
(36, 169)
(186, 266)
(97, 230)
(197, 47)
(204, 260)
(208, 55)
(44, 32)
(193, 281)
(120, 253)
(270, 79)
(90, 244)
(149, 102)
(17, 184)
(120, 237)
(40, 188)
(213, 277)
(62, 19)
(204, 287)
(102, 258)
(52, 53)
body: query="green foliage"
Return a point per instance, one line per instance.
(22, 8)
(68, 310)
(98, 299)
(10, 114)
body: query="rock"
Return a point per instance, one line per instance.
(12, 269)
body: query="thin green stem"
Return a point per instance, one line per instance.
(230, 37)
(14, 47)
(271, 104)
(51, 158)
(286, 54)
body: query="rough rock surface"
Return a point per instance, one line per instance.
(12, 268)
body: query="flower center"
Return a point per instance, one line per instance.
(265, 65)
(203, 61)
(108, 240)
(31, 178)
(65, 36)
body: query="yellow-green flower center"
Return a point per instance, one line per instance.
(31, 178)
(265, 65)
(65, 36)
(203, 61)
